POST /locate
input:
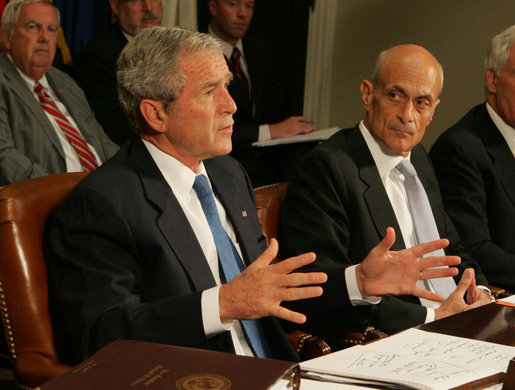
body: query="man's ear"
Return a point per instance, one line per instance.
(6, 39)
(491, 81)
(114, 6)
(367, 90)
(212, 7)
(154, 114)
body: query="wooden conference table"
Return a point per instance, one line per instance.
(493, 323)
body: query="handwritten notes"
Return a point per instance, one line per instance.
(417, 358)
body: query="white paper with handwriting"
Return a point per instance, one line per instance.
(418, 359)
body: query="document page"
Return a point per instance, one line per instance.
(416, 358)
(317, 135)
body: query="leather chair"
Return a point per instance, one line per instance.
(25, 209)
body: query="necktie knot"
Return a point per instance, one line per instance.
(236, 55)
(201, 187)
(406, 168)
(38, 88)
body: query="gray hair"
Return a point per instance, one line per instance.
(12, 11)
(499, 50)
(148, 67)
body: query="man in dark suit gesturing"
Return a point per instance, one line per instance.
(46, 124)
(475, 165)
(347, 191)
(261, 114)
(142, 248)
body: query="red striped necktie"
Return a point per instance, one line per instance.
(78, 143)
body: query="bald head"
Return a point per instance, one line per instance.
(402, 95)
(409, 57)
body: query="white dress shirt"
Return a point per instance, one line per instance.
(180, 179)
(73, 163)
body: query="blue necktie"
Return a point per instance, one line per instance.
(229, 258)
(424, 221)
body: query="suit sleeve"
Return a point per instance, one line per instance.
(14, 164)
(98, 271)
(465, 198)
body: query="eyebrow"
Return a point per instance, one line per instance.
(213, 83)
(399, 88)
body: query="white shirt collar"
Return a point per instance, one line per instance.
(227, 47)
(31, 83)
(384, 157)
(506, 130)
(179, 177)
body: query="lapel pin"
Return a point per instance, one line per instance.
(244, 213)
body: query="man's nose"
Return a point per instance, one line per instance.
(406, 112)
(228, 105)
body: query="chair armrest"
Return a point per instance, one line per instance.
(307, 346)
(340, 340)
(498, 292)
(33, 369)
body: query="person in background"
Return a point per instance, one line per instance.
(255, 89)
(347, 192)
(163, 243)
(475, 166)
(95, 67)
(46, 124)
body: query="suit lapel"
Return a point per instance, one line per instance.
(172, 223)
(375, 196)
(501, 155)
(20, 88)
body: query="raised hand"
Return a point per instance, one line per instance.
(385, 272)
(456, 301)
(259, 290)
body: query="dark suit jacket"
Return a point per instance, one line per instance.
(29, 145)
(336, 206)
(476, 171)
(268, 164)
(127, 264)
(95, 72)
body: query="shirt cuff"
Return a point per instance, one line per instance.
(264, 133)
(430, 315)
(352, 288)
(210, 305)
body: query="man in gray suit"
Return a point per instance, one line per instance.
(46, 124)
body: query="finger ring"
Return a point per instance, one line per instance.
(421, 274)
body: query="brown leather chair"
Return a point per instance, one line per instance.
(25, 209)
